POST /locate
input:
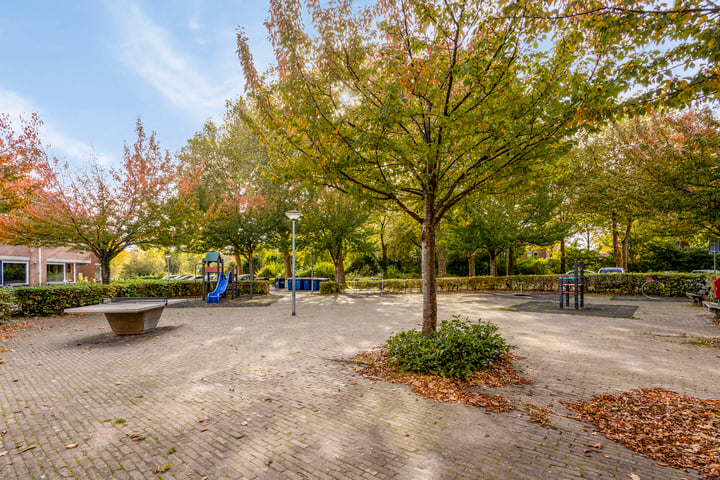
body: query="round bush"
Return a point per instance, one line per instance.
(457, 349)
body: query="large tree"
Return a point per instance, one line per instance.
(242, 221)
(677, 156)
(422, 102)
(23, 162)
(103, 210)
(606, 188)
(666, 55)
(335, 223)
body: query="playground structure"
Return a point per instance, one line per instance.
(574, 284)
(225, 278)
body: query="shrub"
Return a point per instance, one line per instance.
(6, 303)
(329, 287)
(269, 271)
(320, 269)
(260, 287)
(457, 349)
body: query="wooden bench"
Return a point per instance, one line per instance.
(713, 307)
(130, 315)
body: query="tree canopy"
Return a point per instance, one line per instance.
(103, 210)
(419, 102)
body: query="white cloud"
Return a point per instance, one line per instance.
(61, 145)
(148, 50)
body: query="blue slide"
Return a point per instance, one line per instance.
(220, 289)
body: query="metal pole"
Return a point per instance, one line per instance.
(312, 274)
(293, 277)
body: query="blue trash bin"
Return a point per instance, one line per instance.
(305, 284)
(298, 284)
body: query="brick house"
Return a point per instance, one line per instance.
(21, 265)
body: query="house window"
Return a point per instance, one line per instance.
(14, 273)
(55, 273)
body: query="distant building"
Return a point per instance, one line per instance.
(46, 266)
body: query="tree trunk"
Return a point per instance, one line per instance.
(238, 260)
(339, 267)
(493, 263)
(617, 254)
(429, 281)
(471, 263)
(625, 240)
(251, 266)
(511, 261)
(562, 256)
(105, 265)
(287, 261)
(383, 250)
(441, 262)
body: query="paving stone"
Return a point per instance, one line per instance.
(286, 378)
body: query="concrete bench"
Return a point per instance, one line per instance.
(131, 315)
(713, 307)
(699, 297)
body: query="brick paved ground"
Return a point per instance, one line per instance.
(255, 393)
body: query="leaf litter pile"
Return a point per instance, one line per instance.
(673, 429)
(376, 365)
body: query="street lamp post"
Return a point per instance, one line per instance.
(293, 215)
(167, 256)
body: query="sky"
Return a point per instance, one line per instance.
(90, 68)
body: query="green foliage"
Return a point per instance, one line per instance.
(53, 299)
(269, 271)
(140, 265)
(327, 288)
(534, 266)
(320, 269)
(457, 349)
(663, 256)
(6, 302)
(259, 288)
(676, 284)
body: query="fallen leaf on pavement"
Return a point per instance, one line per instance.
(670, 428)
(72, 445)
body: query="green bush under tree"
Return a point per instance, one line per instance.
(458, 349)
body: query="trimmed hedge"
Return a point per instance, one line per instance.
(7, 301)
(675, 284)
(53, 299)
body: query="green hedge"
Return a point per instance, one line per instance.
(675, 284)
(7, 301)
(53, 299)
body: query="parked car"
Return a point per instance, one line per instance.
(704, 271)
(587, 272)
(611, 270)
(187, 276)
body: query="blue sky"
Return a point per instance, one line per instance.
(89, 68)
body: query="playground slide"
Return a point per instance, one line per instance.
(220, 289)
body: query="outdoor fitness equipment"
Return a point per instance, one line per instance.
(574, 284)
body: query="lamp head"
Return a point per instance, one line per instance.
(293, 214)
